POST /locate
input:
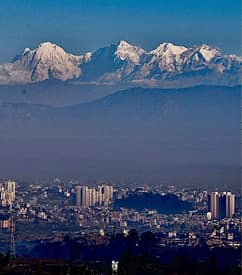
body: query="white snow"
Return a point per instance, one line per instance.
(168, 56)
(208, 52)
(49, 60)
(126, 51)
(168, 49)
(26, 50)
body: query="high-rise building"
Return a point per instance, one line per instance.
(86, 197)
(78, 196)
(214, 204)
(100, 194)
(108, 193)
(105, 194)
(221, 205)
(7, 193)
(230, 205)
(11, 186)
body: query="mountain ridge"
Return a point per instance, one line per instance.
(122, 62)
(126, 100)
(151, 133)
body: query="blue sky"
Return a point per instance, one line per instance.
(81, 25)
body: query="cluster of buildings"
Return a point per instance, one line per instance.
(221, 205)
(43, 210)
(7, 199)
(7, 193)
(89, 196)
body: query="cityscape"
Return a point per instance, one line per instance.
(44, 212)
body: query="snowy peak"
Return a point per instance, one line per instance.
(202, 58)
(48, 46)
(168, 49)
(25, 51)
(112, 64)
(122, 62)
(167, 57)
(49, 52)
(123, 44)
(47, 61)
(208, 52)
(126, 51)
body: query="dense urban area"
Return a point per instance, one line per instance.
(36, 218)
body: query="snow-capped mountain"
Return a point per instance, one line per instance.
(167, 65)
(167, 56)
(197, 65)
(45, 62)
(113, 63)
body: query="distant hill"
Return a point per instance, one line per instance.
(184, 135)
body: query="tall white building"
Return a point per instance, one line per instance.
(83, 196)
(214, 204)
(11, 186)
(230, 205)
(89, 196)
(7, 193)
(78, 196)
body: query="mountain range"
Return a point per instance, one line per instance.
(123, 63)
